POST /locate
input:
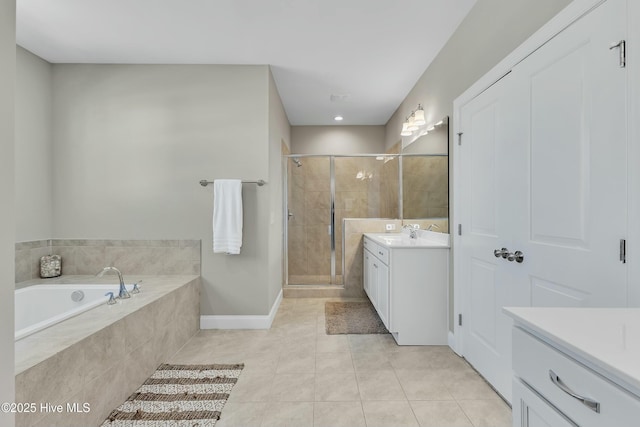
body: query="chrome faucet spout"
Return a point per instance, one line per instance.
(122, 294)
(413, 234)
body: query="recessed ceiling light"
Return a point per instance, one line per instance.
(338, 118)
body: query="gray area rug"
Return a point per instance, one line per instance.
(178, 395)
(352, 318)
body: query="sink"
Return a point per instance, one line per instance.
(425, 239)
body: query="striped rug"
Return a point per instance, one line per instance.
(178, 396)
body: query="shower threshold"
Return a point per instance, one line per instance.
(314, 291)
(311, 280)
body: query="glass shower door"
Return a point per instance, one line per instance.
(309, 250)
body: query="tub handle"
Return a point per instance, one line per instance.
(136, 289)
(112, 299)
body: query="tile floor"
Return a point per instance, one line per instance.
(296, 375)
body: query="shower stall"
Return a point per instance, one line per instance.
(321, 190)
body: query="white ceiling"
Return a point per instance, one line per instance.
(374, 51)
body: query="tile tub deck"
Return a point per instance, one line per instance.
(101, 356)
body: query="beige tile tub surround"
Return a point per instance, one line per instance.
(83, 256)
(104, 354)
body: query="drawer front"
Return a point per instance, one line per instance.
(382, 254)
(367, 243)
(378, 251)
(535, 362)
(529, 410)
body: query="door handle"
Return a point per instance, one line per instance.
(504, 252)
(516, 256)
(589, 403)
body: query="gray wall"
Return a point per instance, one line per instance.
(33, 127)
(337, 139)
(131, 143)
(7, 217)
(279, 133)
(491, 30)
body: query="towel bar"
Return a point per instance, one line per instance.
(260, 182)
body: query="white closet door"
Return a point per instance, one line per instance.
(574, 94)
(543, 172)
(487, 166)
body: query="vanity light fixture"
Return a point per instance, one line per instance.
(338, 118)
(405, 128)
(412, 123)
(419, 116)
(415, 124)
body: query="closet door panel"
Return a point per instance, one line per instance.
(560, 151)
(543, 171)
(487, 165)
(577, 182)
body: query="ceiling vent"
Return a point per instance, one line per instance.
(339, 97)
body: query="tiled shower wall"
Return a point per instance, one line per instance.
(80, 257)
(389, 207)
(425, 187)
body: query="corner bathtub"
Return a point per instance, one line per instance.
(40, 306)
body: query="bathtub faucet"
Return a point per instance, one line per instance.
(122, 294)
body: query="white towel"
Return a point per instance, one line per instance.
(227, 216)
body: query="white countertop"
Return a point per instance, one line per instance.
(606, 340)
(426, 239)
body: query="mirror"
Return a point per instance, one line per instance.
(425, 177)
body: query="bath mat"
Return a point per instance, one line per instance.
(355, 317)
(178, 395)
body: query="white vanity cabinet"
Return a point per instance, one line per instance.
(376, 278)
(407, 284)
(576, 367)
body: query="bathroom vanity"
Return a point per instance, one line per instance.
(407, 280)
(576, 367)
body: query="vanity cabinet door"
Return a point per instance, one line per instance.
(529, 410)
(366, 278)
(371, 278)
(383, 293)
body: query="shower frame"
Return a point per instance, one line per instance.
(332, 199)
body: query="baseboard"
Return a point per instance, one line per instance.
(451, 339)
(241, 321)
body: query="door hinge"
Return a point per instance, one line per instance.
(623, 251)
(460, 137)
(460, 319)
(459, 229)
(622, 45)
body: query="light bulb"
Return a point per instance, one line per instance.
(419, 117)
(405, 129)
(412, 124)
